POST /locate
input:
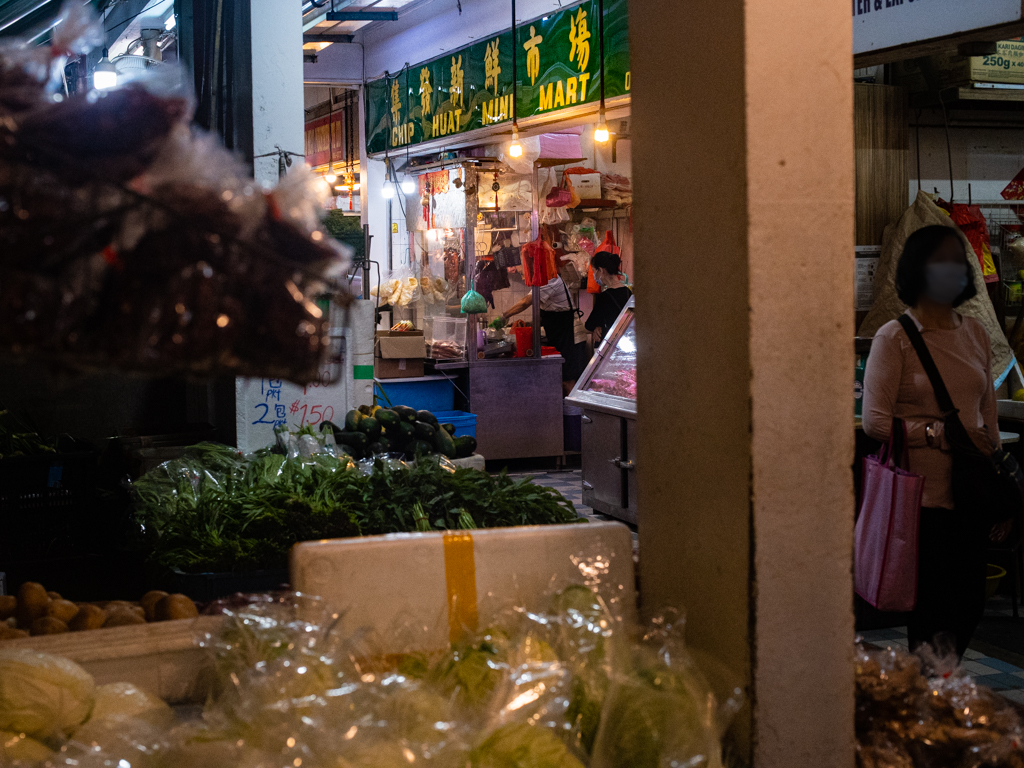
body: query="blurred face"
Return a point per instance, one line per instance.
(946, 272)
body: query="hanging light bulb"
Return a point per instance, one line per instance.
(330, 177)
(515, 149)
(601, 132)
(105, 74)
(388, 191)
(408, 186)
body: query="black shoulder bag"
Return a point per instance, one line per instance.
(991, 486)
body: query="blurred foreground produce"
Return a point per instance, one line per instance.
(935, 718)
(568, 687)
(215, 510)
(130, 240)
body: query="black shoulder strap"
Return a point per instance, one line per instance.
(575, 310)
(941, 393)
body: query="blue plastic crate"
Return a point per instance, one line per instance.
(465, 423)
(433, 396)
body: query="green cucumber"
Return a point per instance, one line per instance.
(404, 433)
(464, 446)
(370, 427)
(420, 448)
(385, 444)
(427, 417)
(352, 419)
(353, 439)
(449, 428)
(388, 418)
(405, 412)
(424, 431)
(444, 443)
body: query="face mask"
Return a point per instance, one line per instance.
(598, 280)
(944, 282)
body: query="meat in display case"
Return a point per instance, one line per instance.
(607, 394)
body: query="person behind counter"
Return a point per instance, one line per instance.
(614, 294)
(557, 316)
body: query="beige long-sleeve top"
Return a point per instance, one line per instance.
(896, 385)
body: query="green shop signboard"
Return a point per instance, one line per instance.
(559, 65)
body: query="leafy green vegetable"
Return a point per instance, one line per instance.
(19, 439)
(214, 510)
(519, 745)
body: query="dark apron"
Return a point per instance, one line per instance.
(558, 326)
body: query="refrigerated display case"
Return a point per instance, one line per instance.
(606, 392)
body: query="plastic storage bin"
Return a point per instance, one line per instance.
(445, 337)
(465, 423)
(431, 395)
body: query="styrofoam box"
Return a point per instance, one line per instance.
(161, 657)
(393, 582)
(1010, 409)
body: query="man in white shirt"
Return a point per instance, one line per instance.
(557, 315)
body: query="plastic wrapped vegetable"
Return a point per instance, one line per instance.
(42, 695)
(658, 711)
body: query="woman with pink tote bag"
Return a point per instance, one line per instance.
(933, 277)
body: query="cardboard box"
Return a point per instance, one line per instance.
(419, 591)
(392, 345)
(1006, 65)
(587, 185)
(400, 368)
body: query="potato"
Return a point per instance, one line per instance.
(54, 595)
(64, 610)
(88, 617)
(32, 603)
(148, 603)
(10, 633)
(48, 625)
(175, 607)
(123, 617)
(8, 606)
(113, 605)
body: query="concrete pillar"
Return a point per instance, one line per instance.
(743, 170)
(278, 108)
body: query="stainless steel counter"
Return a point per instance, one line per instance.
(518, 407)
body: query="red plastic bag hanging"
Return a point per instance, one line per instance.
(608, 245)
(538, 263)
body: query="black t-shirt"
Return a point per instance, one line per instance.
(607, 306)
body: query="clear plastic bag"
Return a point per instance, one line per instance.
(923, 711)
(130, 241)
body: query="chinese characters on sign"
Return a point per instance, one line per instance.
(579, 41)
(533, 55)
(471, 87)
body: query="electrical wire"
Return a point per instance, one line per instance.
(149, 7)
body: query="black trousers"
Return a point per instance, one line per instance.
(559, 329)
(950, 579)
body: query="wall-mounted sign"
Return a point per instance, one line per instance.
(558, 66)
(881, 24)
(319, 136)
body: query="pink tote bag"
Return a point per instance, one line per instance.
(885, 538)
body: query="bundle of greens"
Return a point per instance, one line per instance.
(215, 510)
(19, 439)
